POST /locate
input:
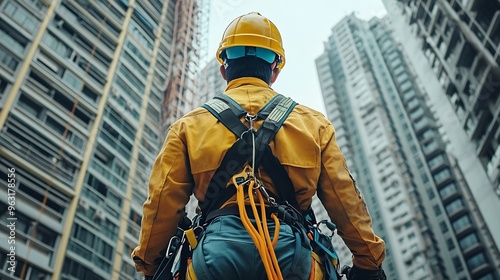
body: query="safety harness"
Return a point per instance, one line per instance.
(247, 154)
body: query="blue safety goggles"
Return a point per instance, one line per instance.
(241, 51)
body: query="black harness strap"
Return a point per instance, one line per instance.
(225, 109)
(280, 178)
(271, 125)
(229, 112)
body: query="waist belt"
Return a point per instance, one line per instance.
(233, 210)
(284, 213)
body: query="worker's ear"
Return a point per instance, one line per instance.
(274, 75)
(222, 70)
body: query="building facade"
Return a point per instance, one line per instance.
(211, 81)
(420, 203)
(82, 85)
(454, 47)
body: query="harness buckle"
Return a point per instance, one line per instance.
(250, 119)
(259, 186)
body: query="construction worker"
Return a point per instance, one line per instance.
(251, 55)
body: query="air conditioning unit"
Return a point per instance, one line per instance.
(83, 204)
(115, 93)
(130, 105)
(100, 215)
(60, 23)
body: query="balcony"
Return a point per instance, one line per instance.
(437, 163)
(412, 105)
(455, 209)
(450, 196)
(423, 123)
(109, 175)
(493, 166)
(431, 149)
(463, 229)
(479, 270)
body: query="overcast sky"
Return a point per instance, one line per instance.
(304, 27)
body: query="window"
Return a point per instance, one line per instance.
(56, 45)
(448, 190)
(85, 24)
(21, 17)
(13, 40)
(401, 78)
(430, 193)
(437, 210)
(454, 206)
(409, 95)
(442, 175)
(8, 60)
(114, 138)
(396, 62)
(78, 271)
(425, 178)
(450, 244)
(138, 68)
(26, 226)
(411, 236)
(134, 81)
(488, 276)
(50, 64)
(3, 88)
(29, 106)
(406, 85)
(461, 223)
(476, 261)
(142, 37)
(436, 161)
(82, 234)
(92, 71)
(444, 227)
(469, 241)
(413, 103)
(122, 124)
(458, 264)
(72, 81)
(89, 94)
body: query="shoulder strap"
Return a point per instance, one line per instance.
(229, 112)
(271, 125)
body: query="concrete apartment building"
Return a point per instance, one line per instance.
(416, 192)
(86, 91)
(454, 47)
(211, 81)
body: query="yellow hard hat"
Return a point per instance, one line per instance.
(252, 30)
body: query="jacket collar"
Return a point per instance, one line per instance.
(251, 81)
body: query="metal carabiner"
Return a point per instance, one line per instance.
(170, 250)
(250, 119)
(263, 191)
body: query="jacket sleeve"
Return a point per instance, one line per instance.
(170, 186)
(346, 207)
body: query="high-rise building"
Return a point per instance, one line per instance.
(211, 81)
(420, 203)
(454, 47)
(82, 88)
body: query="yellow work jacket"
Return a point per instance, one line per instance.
(305, 145)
